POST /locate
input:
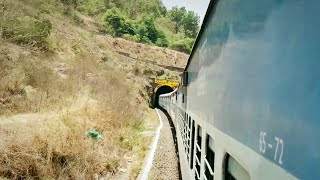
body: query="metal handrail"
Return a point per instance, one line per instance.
(198, 147)
(204, 176)
(197, 174)
(188, 146)
(198, 161)
(208, 165)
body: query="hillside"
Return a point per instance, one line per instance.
(146, 21)
(61, 78)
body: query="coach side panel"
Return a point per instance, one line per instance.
(255, 76)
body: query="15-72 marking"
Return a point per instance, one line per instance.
(279, 146)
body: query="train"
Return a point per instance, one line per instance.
(248, 105)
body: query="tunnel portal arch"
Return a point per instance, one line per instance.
(161, 90)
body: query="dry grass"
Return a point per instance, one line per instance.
(58, 148)
(80, 84)
(28, 85)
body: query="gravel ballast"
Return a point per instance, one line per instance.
(165, 163)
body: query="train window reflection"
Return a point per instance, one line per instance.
(234, 170)
(209, 158)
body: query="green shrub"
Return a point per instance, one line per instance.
(130, 37)
(162, 39)
(144, 39)
(148, 33)
(29, 31)
(184, 45)
(163, 42)
(74, 3)
(71, 14)
(165, 25)
(92, 7)
(46, 9)
(119, 23)
(147, 29)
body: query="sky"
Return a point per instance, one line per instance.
(199, 6)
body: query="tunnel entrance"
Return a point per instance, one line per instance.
(161, 90)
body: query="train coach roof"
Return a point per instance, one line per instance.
(205, 22)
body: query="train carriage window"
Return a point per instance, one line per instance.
(198, 153)
(234, 170)
(209, 158)
(189, 136)
(192, 143)
(184, 130)
(182, 98)
(181, 121)
(186, 133)
(184, 78)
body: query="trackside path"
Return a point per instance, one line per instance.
(165, 163)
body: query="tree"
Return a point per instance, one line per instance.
(154, 7)
(147, 21)
(114, 3)
(148, 29)
(119, 23)
(190, 23)
(140, 8)
(176, 14)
